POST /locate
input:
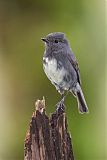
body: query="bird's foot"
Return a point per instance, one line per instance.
(61, 106)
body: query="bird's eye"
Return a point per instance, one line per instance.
(56, 41)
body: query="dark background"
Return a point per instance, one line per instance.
(22, 80)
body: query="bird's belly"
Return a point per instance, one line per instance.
(55, 74)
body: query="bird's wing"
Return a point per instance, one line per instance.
(74, 63)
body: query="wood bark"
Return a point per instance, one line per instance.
(47, 137)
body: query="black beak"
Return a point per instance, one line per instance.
(44, 40)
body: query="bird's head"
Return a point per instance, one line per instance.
(55, 41)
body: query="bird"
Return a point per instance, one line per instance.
(62, 69)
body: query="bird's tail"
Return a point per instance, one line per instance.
(82, 106)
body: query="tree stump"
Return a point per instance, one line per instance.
(48, 138)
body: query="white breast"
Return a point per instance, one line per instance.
(53, 73)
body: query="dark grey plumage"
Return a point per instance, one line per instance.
(61, 67)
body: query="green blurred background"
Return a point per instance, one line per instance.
(22, 80)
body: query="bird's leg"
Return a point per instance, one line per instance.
(60, 104)
(63, 96)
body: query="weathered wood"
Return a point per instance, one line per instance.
(48, 138)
